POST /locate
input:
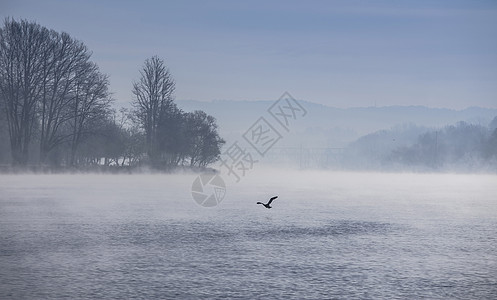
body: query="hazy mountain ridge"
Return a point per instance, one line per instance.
(326, 126)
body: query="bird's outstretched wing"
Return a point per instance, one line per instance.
(271, 200)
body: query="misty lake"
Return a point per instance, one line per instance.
(328, 235)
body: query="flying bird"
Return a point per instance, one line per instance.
(268, 204)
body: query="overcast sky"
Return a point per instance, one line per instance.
(338, 53)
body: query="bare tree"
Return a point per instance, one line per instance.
(90, 101)
(67, 64)
(48, 82)
(153, 93)
(4, 135)
(21, 75)
(133, 137)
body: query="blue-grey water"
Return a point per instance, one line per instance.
(328, 235)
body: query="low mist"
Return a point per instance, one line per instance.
(248, 150)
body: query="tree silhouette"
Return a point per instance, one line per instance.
(204, 143)
(153, 94)
(48, 84)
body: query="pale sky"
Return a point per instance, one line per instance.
(338, 53)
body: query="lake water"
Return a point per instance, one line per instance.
(328, 235)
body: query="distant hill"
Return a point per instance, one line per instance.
(326, 126)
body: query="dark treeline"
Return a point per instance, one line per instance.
(462, 146)
(56, 109)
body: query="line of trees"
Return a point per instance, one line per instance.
(172, 136)
(462, 146)
(459, 146)
(56, 109)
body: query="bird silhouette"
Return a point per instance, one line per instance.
(268, 204)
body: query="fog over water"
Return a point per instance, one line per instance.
(373, 125)
(329, 234)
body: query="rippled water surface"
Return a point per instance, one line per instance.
(329, 235)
